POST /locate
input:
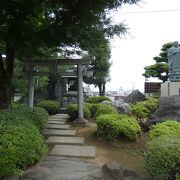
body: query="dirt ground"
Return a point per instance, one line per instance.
(128, 154)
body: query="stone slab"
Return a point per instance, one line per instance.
(60, 132)
(73, 151)
(55, 126)
(61, 120)
(55, 122)
(65, 140)
(60, 168)
(61, 115)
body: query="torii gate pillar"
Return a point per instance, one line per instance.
(30, 87)
(80, 93)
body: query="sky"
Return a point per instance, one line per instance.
(148, 31)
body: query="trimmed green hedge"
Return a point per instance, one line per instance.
(20, 146)
(52, 107)
(72, 110)
(163, 157)
(169, 128)
(113, 126)
(17, 115)
(97, 99)
(105, 109)
(21, 143)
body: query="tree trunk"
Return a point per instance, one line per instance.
(100, 89)
(5, 94)
(6, 73)
(103, 89)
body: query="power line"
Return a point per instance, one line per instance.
(154, 11)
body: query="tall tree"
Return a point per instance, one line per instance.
(100, 66)
(27, 26)
(160, 68)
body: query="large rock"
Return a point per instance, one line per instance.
(124, 108)
(135, 96)
(169, 108)
(118, 172)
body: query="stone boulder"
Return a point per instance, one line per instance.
(124, 108)
(168, 108)
(135, 96)
(118, 172)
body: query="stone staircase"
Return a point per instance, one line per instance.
(64, 140)
(67, 159)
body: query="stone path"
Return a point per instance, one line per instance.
(64, 161)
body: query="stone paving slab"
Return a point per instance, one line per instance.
(61, 120)
(55, 122)
(73, 151)
(61, 116)
(55, 126)
(60, 132)
(60, 168)
(65, 140)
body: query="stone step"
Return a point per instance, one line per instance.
(65, 140)
(54, 132)
(55, 126)
(55, 122)
(61, 116)
(61, 120)
(73, 151)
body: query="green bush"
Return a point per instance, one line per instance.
(52, 107)
(143, 109)
(169, 128)
(97, 99)
(72, 110)
(163, 157)
(20, 146)
(113, 126)
(18, 114)
(105, 109)
(93, 108)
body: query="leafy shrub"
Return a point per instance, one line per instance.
(52, 107)
(112, 126)
(72, 110)
(163, 157)
(105, 109)
(97, 99)
(143, 109)
(20, 146)
(18, 114)
(169, 128)
(151, 104)
(140, 111)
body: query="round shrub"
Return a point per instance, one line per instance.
(93, 108)
(52, 107)
(105, 109)
(140, 111)
(113, 126)
(151, 104)
(144, 109)
(72, 110)
(169, 128)
(97, 99)
(20, 146)
(163, 157)
(18, 115)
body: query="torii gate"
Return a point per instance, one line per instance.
(53, 63)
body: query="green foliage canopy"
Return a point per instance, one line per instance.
(160, 68)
